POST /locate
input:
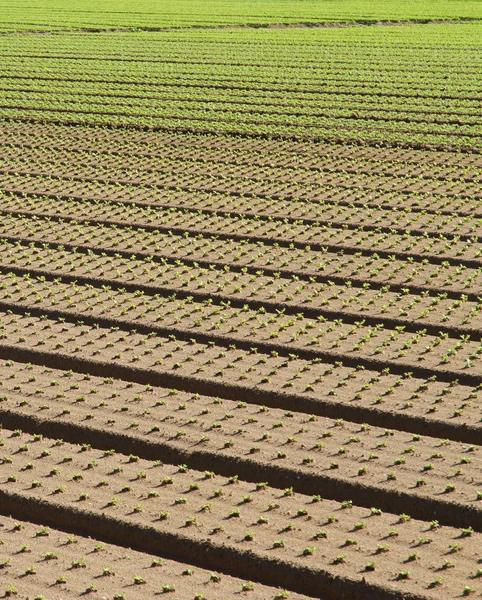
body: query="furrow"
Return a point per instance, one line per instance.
(360, 268)
(254, 377)
(128, 500)
(341, 458)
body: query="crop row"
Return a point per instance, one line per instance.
(286, 78)
(454, 314)
(303, 263)
(440, 200)
(199, 48)
(246, 162)
(298, 97)
(233, 330)
(182, 220)
(314, 386)
(284, 531)
(46, 17)
(334, 455)
(311, 70)
(35, 558)
(186, 194)
(262, 194)
(335, 192)
(213, 174)
(468, 121)
(318, 235)
(312, 66)
(224, 324)
(357, 173)
(298, 78)
(459, 108)
(410, 108)
(236, 123)
(251, 128)
(240, 317)
(280, 152)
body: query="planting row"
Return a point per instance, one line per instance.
(459, 107)
(289, 82)
(330, 130)
(293, 75)
(305, 183)
(283, 154)
(313, 386)
(54, 17)
(223, 324)
(270, 232)
(304, 263)
(259, 258)
(337, 456)
(218, 520)
(290, 75)
(194, 53)
(351, 238)
(240, 326)
(246, 162)
(309, 177)
(37, 561)
(331, 202)
(185, 191)
(170, 103)
(257, 151)
(454, 314)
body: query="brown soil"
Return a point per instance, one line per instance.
(371, 463)
(38, 559)
(249, 353)
(88, 486)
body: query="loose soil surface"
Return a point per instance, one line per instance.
(184, 508)
(39, 561)
(241, 314)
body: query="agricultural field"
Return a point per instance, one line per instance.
(241, 300)
(151, 15)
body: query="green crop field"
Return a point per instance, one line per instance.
(241, 299)
(56, 14)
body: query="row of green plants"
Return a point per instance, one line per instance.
(270, 436)
(360, 299)
(225, 508)
(347, 237)
(285, 154)
(245, 253)
(296, 204)
(42, 558)
(260, 326)
(155, 355)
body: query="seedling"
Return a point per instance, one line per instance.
(403, 575)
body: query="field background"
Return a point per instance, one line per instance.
(241, 299)
(41, 15)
